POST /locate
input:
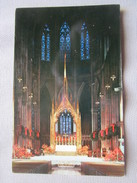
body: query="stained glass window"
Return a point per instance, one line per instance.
(45, 44)
(85, 46)
(69, 126)
(61, 125)
(43, 47)
(65, 123)
(65, 44)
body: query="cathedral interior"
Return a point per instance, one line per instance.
(73, 52)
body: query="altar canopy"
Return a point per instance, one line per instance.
(65, 119)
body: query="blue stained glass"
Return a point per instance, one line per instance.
(43, 47)
(82, 46)
(65, 120)
(69, 127)
(60, 124)
(67, 124)
(48, 48)
(65, 25)
(64, 125)
(85, 47)
(62, 30)
(68, 39)
(65, 45)
(45, 44)
(62, 39)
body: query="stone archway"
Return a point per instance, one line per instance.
(65, 104)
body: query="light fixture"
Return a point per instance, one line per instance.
(34, 103)
(101, 94)
(31, 95)
(97, 102)
(24, 88)
(113, 77)
(19, 79)
(107, 86)
(117, 89)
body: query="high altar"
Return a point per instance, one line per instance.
(65, 120)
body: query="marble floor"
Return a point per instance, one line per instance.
(73, 160)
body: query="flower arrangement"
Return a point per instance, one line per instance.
(83, 150)
(97, 153)
(114, 155)
(37, 152)
(48, 149)
(21, 153)
(94, 136)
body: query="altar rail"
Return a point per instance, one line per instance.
(65, 140)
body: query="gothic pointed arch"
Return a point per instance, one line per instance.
(45, 109)
(85, 109)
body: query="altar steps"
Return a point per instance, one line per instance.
(61, 153)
